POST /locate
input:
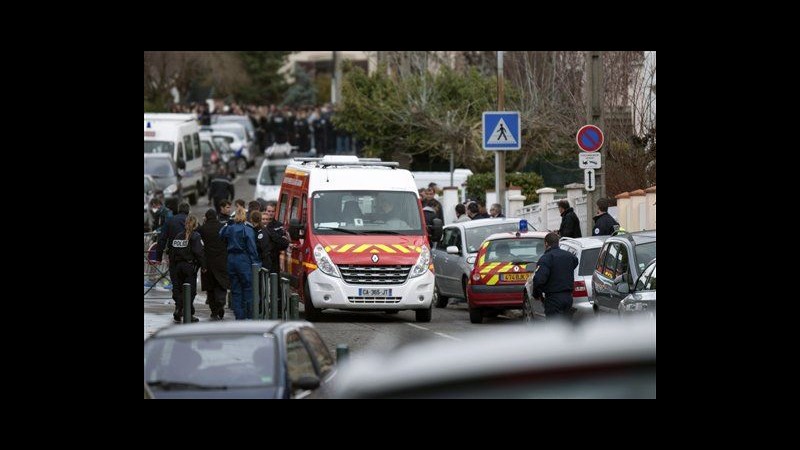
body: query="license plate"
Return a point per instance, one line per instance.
(362, 292)
(515, 276)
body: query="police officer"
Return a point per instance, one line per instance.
(185, 251)
(215, 278)
(220, 188)
(603, 222)
(555, 277)
(275, 239)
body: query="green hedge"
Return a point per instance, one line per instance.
(478, 183)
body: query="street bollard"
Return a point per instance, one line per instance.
(187, 303)
(285, 313)
(342, 351)
(294, 300)
(273, 296)
(255, 268)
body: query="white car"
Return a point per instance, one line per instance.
(269, 179)
(241, 152)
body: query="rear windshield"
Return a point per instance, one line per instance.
(515, 250)
(588, 261)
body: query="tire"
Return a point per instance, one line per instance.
(464, 287)
(475, 315)
(424, 315)
(241, 165)
(312, 314)
(440, 301)
(527, 309)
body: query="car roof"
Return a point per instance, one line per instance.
(584, 242)
(501, 352)
(230, 327)
(636, 237)
(484, 222)
(513, 235)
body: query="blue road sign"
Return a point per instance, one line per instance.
(501, 130)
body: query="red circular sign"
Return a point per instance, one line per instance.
(589, 138)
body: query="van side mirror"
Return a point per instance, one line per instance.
(435, 230)
(296, 229)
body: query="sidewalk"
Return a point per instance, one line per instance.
(158, 309)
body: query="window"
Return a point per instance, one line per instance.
(601, 259)
(197, 151)
(181, 155)
(361, 212)
(295, 208)
(298, 361)
(610, 264)
(588, 261)
(319, 351)
(284, 204)
(187, 143)
(622, 261)
(452, 236)
(647, 281)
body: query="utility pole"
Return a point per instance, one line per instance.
(336, 84)
(594, 116)
(500, 155)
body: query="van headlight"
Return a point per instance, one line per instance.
(324, 262)
(422, 263)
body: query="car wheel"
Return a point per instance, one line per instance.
(241, 165)
(424, 315)
(464, 282)
(312, 314)
(475, 315)
(439, 300)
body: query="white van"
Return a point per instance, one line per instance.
(177, 135)
(270, 176)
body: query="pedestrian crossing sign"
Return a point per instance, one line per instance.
(501, 130)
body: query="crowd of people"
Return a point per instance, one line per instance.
(224, 248)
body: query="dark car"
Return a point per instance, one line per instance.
(622, 259)
(642, 300)
(238, 359)
(164, 171)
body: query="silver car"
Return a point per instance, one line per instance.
(454, 255)
(643, 298)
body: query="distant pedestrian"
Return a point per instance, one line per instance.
(433, 203)
(160, 213)
(220, 188)
(604, 224)
(496, 211)
(570, 224)
(555, 278)
(461, 213)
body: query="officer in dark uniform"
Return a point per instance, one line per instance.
(185, 249)
(220, 188)
(603, 222)
(275, 237)
(215, 278)
(555, 277)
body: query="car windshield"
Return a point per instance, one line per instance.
(271, 175)
(476, 235)
(159, 167)
(367, 212)
(644, 254)
(526, 250)
(159, 147)
(228, 361)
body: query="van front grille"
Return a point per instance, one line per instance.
(374, 275)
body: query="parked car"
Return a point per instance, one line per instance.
(248, 147)
(238, 359)
(238, 148)
(504, 263)
(454, 255)
(642, 300)
(586, 249)
(603, 358)
(622, 259)
(164, 171)
(151, 191)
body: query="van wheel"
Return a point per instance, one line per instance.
(439, 300)
(312, 314)
(424, 315)
(241, 165)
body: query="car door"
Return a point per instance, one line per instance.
(449, 264)
(605, 281)
(298, 364)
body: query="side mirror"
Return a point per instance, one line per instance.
(181, 164)
(306, 382)
(295, 229)
(453, 250)
(252, 181)
(435, 230)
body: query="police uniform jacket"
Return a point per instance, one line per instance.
(570, 225)
(274, 241)
(188, 250)
(220, 188)
(555, 272)
(216, 253)
(603, 224)
(172, 228)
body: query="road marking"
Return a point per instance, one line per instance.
(417, 326)
(446, 336)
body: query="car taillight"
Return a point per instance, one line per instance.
(580, 289)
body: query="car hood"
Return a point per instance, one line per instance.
(389, 249)
(225, 393)
(643, 296)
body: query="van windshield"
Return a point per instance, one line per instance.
(159, 147)
(367, 212)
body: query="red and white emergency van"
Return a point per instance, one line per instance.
(360, 241)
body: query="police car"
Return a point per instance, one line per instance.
(504, 263)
